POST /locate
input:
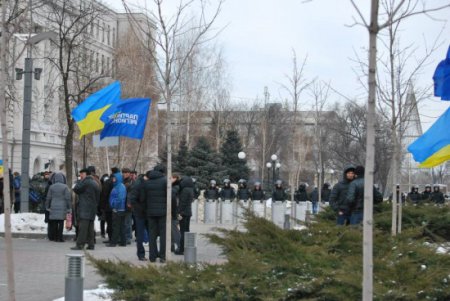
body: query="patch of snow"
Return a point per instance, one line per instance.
(31, 223)
(101, 293)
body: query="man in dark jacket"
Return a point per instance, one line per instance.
(339, 194)
(426, 194)
(212, 192)
(301, 195)
(128, 182)
(227, 192)
(326, 191)
(355, 197)
(243, 192)
(88, 197)
(279, 194)
(414, 196)
(257, 193)
(154, 193)
(437, 196)
(315, 200)
(186, 197)
(138, 207)
(107, 187)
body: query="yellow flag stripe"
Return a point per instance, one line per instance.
(92, 121)
(437, 158)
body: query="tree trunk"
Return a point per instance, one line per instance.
(370, 158)
(68, 152)
(169, 173)
(6, 191)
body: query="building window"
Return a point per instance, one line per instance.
(108, 71)
(103, 32)
(108, 35)
(114, 37)
(92, 28)
(98, 30)
(103, 64)
(113, 68)
(91, 61)
(96, 63)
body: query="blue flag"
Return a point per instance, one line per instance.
(441, 78)
(126, 118)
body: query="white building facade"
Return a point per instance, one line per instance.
(48, 124)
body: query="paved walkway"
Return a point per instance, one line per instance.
(40, 264)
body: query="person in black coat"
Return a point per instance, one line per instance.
(212, 192)
(437, 196)
(88, 198)
(301, 195)
(154, 193)
(227, 192)
(138, 208)
(175, 230)
(326, 191)
(338, 196)
(185, 208)
(257, 194)
(243, 192)
(279, 194)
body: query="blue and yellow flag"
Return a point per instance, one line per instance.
(126, 118)
(433, 147)
(87, 114)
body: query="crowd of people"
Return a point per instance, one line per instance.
(124, 202)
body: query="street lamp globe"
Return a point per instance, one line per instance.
(274, 157)
(241, 155)
(269, 165)
(278, 165)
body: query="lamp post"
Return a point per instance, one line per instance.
(26, 125)
(241, 155)
(269, 166)
(275, 167)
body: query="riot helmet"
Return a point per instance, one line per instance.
(226, 182)
(212, 183)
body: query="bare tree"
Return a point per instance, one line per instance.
(169, 63)
(12, 12)
(319, 92)
(400, 10)
(71, 22)
(296, 84)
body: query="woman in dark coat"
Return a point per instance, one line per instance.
(58, 204)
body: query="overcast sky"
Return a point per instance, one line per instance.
(259, 37)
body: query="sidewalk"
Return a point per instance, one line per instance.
(40, 264)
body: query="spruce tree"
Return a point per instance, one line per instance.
(203, 163)
(233, 167)
(181, 159)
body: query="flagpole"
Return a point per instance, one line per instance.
(137, 157)
(107, 159)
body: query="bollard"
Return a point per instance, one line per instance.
(190, 248)
(287, 221)
(74, 277)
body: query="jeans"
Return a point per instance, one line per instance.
(315, 206)
(356, 218)
(343, 219)
(141, 229)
